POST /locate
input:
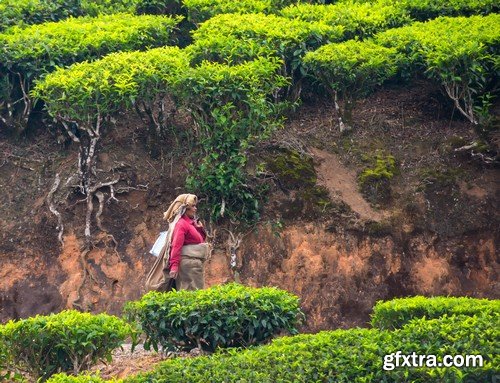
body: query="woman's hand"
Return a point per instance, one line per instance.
(173, 274)
(198, 223)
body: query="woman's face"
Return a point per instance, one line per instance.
(191, 211)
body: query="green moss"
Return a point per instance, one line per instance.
(293, 170)
(317, 197)
(383, 167)
(296, 172)
(374, 179)
(440, 177)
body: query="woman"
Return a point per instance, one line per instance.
(185, 251)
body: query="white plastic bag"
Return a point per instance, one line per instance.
(160, 242)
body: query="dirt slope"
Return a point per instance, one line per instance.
(435, 232)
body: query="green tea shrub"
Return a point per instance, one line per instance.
(351, 70)
(461, 53)
(119, 80)
(27, 12)
(95, 8)
(395, 313)
(354, 355)
(202, 10)
(68, 341)
(217, 38)
(159, 7)
(428, 9)
(63, 378)
(450, 335)
(228, 315)
(16, 12)
(358, 20)
(233, 108)
(85, 95)
(26, 54)
(235, 38)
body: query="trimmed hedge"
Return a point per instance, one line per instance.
(67, 341)
(229, 315)
(63, 378)
(398, 312)
(26, 54)
(39, 49)
(27, 12)
(236, 38)
(355, 355)
(358, 20)
(116, 81)
(461, 53)
(352, 68)
(202, 10)
(428, 9)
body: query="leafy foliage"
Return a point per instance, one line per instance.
(354, 355)
(39, 49)
(116, 81)
(461, 53)
(429, 9)
(63, 378)
(234, 38)
(353, 68)
(27, 12)
(232, 108)
(67, 341)
(202, 10)
(229, 315)
(26, 54)
(358, 20)
(398, 312)
(159, 7)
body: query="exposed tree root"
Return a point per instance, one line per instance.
(52, 208)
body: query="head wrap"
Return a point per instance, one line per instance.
(179, 206)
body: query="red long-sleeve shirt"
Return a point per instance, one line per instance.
(185, 233)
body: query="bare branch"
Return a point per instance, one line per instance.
(68, 130)
(53, 209)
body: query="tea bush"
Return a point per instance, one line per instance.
(229, 315)
(26, 54)
(233, 108)
(450, 335)
(428, 9)
(67, 341)
(202, 10)
(354, 355)
(358, 20)
(235, 38)
(63, 378)
(398, 312)
(160, 7)
(119, 80)
(351, 70)
(461, 53)
(217, 38)
(27, 12)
